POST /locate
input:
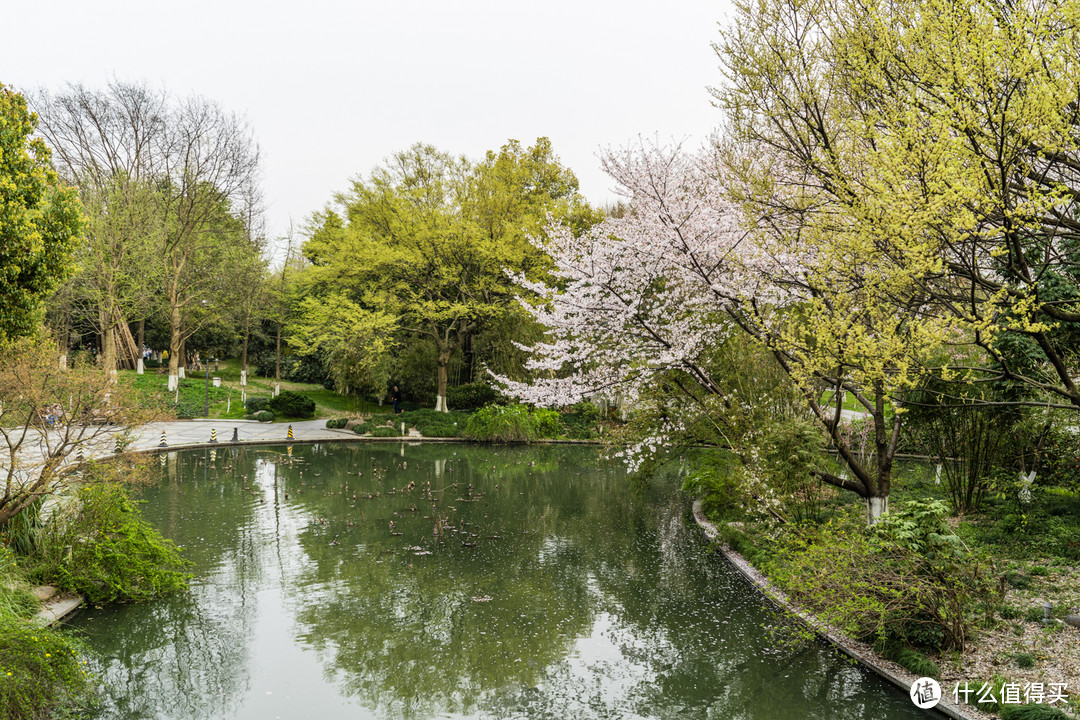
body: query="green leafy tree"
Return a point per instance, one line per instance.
(429, 240)
(40, 220)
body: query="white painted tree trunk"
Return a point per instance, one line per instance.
(180, 372)
(277, 389)
(174, 382)
(139, 369)
(63, 361)
(876, 508)
(937, 477)
(1025, 487)
(243, 377)
(440, 404)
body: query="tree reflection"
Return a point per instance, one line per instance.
(428, 623)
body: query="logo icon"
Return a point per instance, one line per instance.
(925, 693)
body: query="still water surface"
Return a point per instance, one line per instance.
(521, 583)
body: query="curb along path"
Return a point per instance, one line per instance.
(860, 652)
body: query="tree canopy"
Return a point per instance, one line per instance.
(41, 221)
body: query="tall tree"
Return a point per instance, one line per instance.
(950, 134)
(40, 220)
(650, 299)
(169, 182)
(428, 238)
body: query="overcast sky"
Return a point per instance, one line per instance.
(333, 88)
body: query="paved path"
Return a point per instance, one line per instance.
(182, 433)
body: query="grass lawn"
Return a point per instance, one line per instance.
(225, 401)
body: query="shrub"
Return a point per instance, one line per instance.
(587, 410)
(471, 396)
(714, 481)
(361, 428)
(578, 427)
(115, 555)
(264, 416)
(913, 660)
(1024, 660)
(41, 674)
(292, 405)
(255, 404)
(431, 423)
(909, 581)
(384, 431)
(547, 423)
(336, 423)
(501, 424)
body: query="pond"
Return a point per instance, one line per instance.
(453, 581)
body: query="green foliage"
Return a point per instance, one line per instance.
(920, 526)
(471, 396)
(1024, 660)
(41, 674)
(362, 428)
(503, 424)
(335, 423)
(292, 405)
(913, 660)
(907, 583)
(790, 449)
(547, 422)
(255, 404)
(264, 416)
(432, 423)
(354, 342)
(107, 552)
(714, 481)
(1032, 712)
(41, 220)
(21, 532)
(580, 427)
(383, 431)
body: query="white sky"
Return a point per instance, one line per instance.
(333, 88)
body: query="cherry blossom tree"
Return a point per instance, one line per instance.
(652, 294)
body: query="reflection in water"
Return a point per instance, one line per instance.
(452, 581)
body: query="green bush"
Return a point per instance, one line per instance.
(255, 404)
(361, 428)
(264, 416)
(502, 424)
(905, 581)
(548, 424)
(578, 427)
(587, 410)
(715, 481)
(383, 431)
(114, 556)
(292, 405)
(41, 674)
(912, 660)
(432, 423)
(337, 423)
(471, 396)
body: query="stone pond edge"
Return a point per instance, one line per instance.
(860, 652)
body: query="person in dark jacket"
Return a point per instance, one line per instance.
(397, 399)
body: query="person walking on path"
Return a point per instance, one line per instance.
(397, 399)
